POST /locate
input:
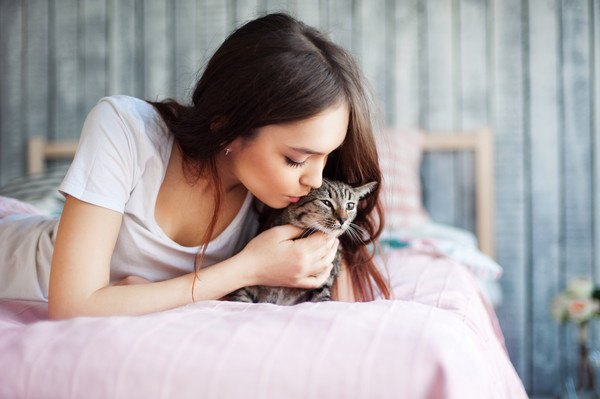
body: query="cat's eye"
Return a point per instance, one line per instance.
(293, 163)
(326, 202)
(350, 206)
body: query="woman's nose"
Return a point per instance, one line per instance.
(313, 178)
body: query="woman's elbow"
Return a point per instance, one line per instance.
(65, 308)
(58, 311)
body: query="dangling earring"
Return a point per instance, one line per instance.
(227, 151)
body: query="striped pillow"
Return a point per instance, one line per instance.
(400, 154)
(11, 206)
(39, 191)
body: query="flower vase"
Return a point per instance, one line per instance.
(586, 380)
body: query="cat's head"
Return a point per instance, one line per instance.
(330, 208)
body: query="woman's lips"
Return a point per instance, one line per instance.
(294, 199)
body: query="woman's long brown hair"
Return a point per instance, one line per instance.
(272, 70)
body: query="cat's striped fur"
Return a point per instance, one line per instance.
(330, 208)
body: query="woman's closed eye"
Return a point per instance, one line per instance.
(293, 163)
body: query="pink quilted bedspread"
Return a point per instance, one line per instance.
(437, 339)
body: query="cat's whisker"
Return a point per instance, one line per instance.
(354, 234)
(354, 237)
(316, 226)
(308, 231)
(361, 232)
(312, 229)
(359, 228)
(327, 226)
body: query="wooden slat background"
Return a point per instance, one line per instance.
(530, 69)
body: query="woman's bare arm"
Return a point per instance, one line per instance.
(80, 273)
(343, 290)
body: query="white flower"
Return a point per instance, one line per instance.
(581, 309)
(580, 288)
(576, 303)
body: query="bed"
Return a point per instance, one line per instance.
(437, 338)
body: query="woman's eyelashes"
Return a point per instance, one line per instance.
(293, 163)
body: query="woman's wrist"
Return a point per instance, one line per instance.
(216, 281)
(244, 269)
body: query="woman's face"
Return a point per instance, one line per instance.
(284, 162)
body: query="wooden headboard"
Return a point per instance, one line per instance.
(480, 142)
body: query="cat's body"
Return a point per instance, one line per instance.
(330, 208)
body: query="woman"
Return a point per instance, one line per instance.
(152, 185)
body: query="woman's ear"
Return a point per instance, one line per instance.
(236, 145)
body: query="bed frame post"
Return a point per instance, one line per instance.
(484, 160)
(39, 151)
(36, 155)
(481, 142)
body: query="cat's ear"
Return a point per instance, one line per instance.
(365, 189)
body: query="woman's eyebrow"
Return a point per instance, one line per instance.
(306, 151)
(309, 151)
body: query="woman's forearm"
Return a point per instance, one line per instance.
(212, 282)
(343, 291)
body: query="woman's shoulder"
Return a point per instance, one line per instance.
(139, 117)
(127, 107)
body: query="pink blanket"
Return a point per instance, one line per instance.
(437, 339)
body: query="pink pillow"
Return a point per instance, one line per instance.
(400, 155)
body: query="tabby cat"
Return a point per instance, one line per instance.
(330, 208)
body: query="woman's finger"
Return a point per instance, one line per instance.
(288, 231)
(316, 241)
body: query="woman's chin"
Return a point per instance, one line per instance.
(276, 204)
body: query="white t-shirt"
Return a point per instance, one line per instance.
(120, 164)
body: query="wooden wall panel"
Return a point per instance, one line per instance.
(508, 114)
(370, 25)
(577, 83)
(270, 6)
(158, 49)
(187, 63)
(309, 11)
(121, 42)
(213, 26)
(340, 22)
(576, 149)
(244, 11)
(67, 82)
(36, 67)
(12, 162)
(595, 71)
(472, 92)
(406, 64)
(92, 54)
(438, 106)
(545, 179)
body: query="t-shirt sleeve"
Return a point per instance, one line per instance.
(104, 168)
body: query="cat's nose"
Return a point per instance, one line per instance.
(342, 219)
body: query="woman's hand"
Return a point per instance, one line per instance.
(276, 258)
